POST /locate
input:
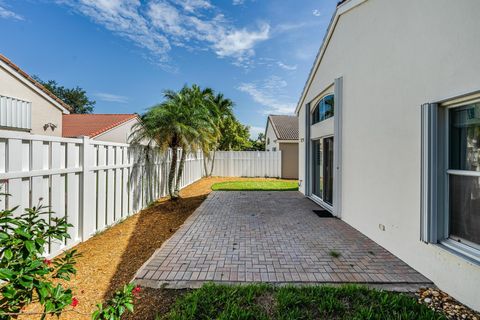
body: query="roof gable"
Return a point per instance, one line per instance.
(342, 7)
(35, 85)
(92, 125)
(285, 127)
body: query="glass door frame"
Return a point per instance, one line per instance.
(317, 199)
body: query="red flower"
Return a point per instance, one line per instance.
(136, 290)
(74, 302)
(47, 261)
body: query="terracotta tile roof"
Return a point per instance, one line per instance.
(34, 82)
(285, 127)
(91, 125)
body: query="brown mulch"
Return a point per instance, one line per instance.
(440, 301)
(111, 259)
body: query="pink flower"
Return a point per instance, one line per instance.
(47, 261)
(136, 290)
(74, 302)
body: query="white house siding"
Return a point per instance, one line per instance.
(43, 111)
(270, 138)
(119, 134)
(394, 56)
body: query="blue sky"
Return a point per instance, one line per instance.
(126, 52)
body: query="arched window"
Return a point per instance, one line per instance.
(324, 109)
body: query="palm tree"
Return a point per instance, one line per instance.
(221, 110)
(182, 123)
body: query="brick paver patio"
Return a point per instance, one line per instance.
(274, 237)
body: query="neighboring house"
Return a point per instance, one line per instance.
(390, 132)
(281, 134)
(103, 127)
(25, 105)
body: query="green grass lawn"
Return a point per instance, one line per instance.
(267, 185)
(313, 302)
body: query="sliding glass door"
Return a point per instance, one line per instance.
(322, 169)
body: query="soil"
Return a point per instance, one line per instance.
(111, 258)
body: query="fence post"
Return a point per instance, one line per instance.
(88, 219)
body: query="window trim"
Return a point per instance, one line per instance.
(317, 104)
(435, 176)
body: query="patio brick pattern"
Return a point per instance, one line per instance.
(237, 237)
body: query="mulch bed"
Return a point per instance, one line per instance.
(111, 259)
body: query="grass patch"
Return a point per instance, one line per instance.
(267, 185)
(334, 254)
(284, 303)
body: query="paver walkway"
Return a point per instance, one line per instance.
(270, 237)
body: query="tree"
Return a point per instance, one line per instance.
(235, 136)
(259, 143)
(183, 123)
(221, 110)
(75, 97)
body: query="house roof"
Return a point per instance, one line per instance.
(92, 125)
(285, 127)
(34, 82)
(343, 6)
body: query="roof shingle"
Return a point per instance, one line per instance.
(91, 125)
(285, 127)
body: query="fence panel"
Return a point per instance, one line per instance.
(247, 164)
(95, 184)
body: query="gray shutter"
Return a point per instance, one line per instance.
(432, 149)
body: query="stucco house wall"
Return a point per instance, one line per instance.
(271, 143)
(43, 110)
(119, 134)
(393, 57)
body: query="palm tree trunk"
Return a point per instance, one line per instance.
(171, 174)
(180, 172)
(213, 162)
(205, 169)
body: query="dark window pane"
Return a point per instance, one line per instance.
(317, 169)
(465, 138)
(324, 109)
(465, 208)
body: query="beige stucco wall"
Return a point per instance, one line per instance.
(118, 134)
(289, 160)
(394, 56)
(270, 137)
(43, 111)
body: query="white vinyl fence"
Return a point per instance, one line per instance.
(94, 184)
(248, 164)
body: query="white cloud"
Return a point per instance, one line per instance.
(238, 2)
(241, 42)
(8, 14)
(254, 131)
(270, 94)
(316, 13)
(158, 25)
(109, 97)
(286, 66)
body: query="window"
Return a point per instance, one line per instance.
(268, 140)
(15, 113)
(451, 176)
(274, 149)
(324, 109)
(464, 174)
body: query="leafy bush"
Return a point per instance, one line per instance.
(26, 276)
(121, 301)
